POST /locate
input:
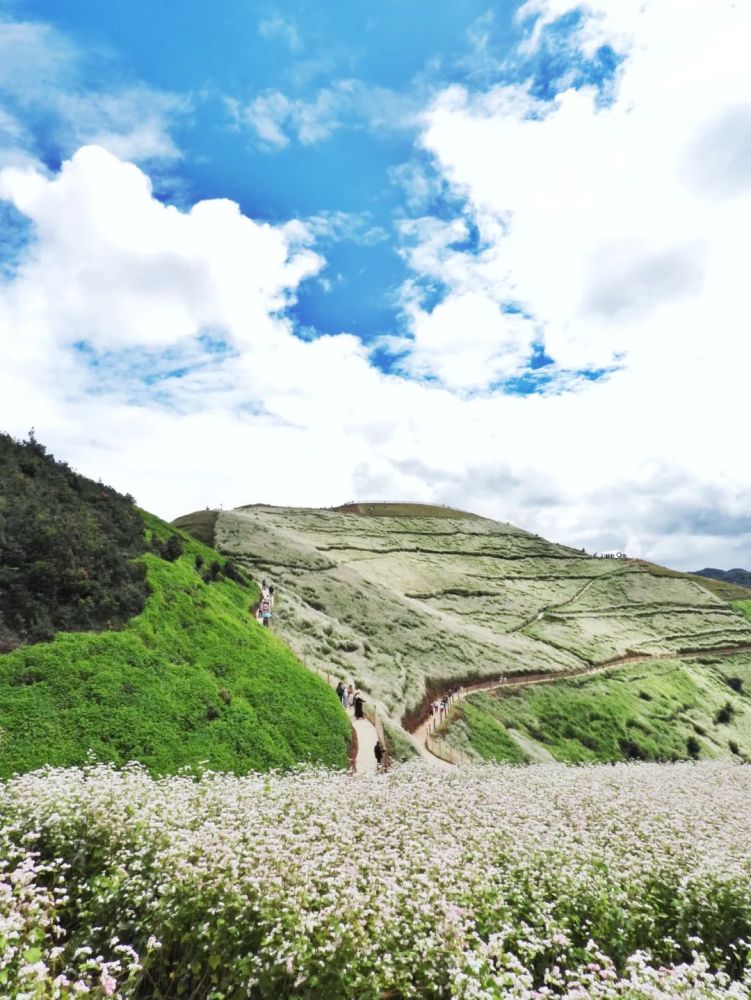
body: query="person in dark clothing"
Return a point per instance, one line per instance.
(359, 714)
(340, 689)
(378, 751)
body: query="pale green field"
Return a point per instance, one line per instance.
(403, 603)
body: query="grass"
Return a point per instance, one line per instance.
(664, 712)
(200, 524)
(720, 588)
(406, 510)
(192, 680)
(400, 601)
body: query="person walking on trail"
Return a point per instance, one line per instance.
(378, 751)
(350, 697)
(340, 692)
(359, 714)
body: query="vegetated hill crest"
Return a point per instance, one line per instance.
(740, 577)
(406, 601)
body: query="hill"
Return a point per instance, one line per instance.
(739, 577)
(663, 711)
(189, 680)
(406, 599)
(67, 548)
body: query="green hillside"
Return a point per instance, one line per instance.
(190, 680)
(663, 711)
(406, 598)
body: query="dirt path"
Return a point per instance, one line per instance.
(420, 734)
(365, 762)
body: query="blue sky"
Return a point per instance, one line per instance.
(395, 56)
(485, 254)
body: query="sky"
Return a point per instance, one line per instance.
(489, 255)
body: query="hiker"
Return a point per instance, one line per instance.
(378, 751)
(340, 691)
(359, 714)
(350, 696)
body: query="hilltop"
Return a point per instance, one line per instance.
(408, 599)
(134, 641)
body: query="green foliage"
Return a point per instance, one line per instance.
(191, 680)
(67, 548)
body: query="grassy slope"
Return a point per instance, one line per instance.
(647, 711)
(192, 679)
(399, 603)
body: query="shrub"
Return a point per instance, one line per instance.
(725, 714)
(735, 683)
(172, 548)
(199, 561)
(693, 747)
(734, 748)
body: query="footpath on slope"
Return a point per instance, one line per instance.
(422, 733)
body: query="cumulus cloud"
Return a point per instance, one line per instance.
(601, 228)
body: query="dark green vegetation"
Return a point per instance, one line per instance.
(741, 577)
(190, 680)
(67, 548)
(663, 712)
(724, 587)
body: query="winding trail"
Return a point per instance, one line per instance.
(365, 762)
(420, 734)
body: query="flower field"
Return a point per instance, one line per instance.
(628, 881)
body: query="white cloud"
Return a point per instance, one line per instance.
(277, 26)
(275, 118)
(41, 74)
(604, 223)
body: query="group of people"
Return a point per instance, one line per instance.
(439, 707)
(263, 614)
(350, 697)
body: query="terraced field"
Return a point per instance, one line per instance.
(404, 599)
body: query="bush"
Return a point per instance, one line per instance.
(199, 561)
(693, 747)
(725, 714)
(734, 748)
(735, 683)
(172, 548)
